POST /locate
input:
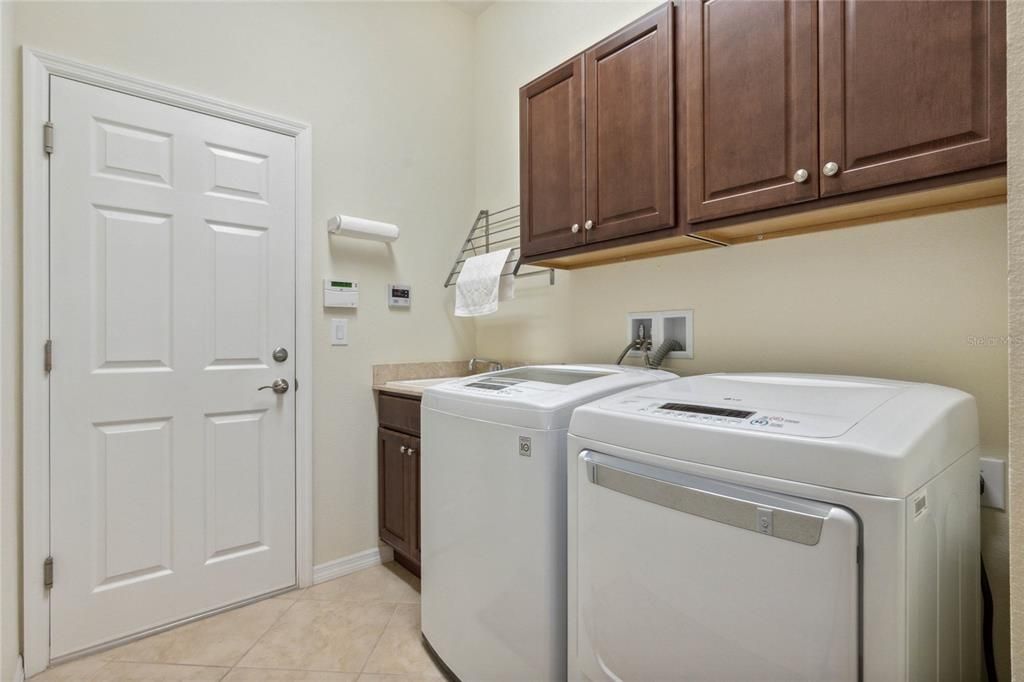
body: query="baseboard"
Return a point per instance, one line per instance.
(19, 670)
(351, 564)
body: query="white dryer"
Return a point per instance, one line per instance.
(493, 516)
(774, 527)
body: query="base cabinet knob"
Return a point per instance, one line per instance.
(830, 168)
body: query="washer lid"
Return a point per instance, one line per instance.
(535, 396)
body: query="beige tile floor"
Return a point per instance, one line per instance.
(363, 627)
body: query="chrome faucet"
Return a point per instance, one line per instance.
(494, 364)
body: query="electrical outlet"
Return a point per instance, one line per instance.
(994, 472)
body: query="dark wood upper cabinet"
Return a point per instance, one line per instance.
(551, 160)
(397, 513)
(630, 130)
(910, 89)
(709, 122)
(751, 100)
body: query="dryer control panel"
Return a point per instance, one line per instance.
(771, 421)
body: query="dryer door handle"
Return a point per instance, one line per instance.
(758, 511)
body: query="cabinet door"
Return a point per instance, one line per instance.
(414, 506)
(630, 130)
(394, 504)
(551, 160)
(910, 89)
(751, 105)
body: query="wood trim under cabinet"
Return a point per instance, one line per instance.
(979, 187)
(927, 201)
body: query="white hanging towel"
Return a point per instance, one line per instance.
(483, 281)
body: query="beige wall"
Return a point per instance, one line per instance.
(387, 88)
(1015, 98)
(900, 299)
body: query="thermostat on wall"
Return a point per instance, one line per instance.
(399, 295)
(341, 293)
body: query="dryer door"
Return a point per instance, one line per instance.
(688, 578)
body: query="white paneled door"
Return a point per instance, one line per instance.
(172, 281)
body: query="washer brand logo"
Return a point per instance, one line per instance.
(525, 446)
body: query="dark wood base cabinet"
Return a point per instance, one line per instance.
(398, 477)
(712, 121)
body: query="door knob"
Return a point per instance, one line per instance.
(589, 225)
(831, 168)
(575, 228)
(800, 175)
(278, 386)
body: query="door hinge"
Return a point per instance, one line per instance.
(296, 385)
(48, 572)
(48, 137)
(48, 356)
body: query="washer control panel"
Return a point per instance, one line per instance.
(493, 386)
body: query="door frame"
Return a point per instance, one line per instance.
(37, 67)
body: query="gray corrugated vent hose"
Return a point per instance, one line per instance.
(664, 349)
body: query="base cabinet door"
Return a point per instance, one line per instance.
(414, 487)
(630, 130)
(551, 160)
(910, 89)
(751, 105)
(395, 504)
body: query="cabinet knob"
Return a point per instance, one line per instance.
(402, 449)
(800, 175)
(411, 452)
(830, 168)
(589, 225)
(575, 228)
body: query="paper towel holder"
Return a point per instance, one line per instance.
(362, 228)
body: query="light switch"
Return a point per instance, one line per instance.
(339, 332)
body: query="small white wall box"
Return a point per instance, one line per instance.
(341, 293)
(661, 325)
(399, 295)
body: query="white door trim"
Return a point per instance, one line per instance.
(37, 67)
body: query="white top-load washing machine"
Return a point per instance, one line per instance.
(774, 527)
(493, 515)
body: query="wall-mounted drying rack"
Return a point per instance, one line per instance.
(495, 230)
